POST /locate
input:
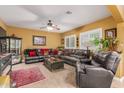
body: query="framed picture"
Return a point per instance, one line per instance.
(39, 40)
(111, 33)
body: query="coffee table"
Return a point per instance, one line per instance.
(53, 63)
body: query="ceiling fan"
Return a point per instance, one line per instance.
(50, 26)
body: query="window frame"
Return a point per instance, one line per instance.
(89, 34)
(69, 37)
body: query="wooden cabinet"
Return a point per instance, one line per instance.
(77, 42)
(62, 41)
(5, 63)
(10, 44)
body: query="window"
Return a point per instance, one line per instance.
(86, 37)
(70, 41)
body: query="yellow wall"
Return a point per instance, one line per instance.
(106, 23)
(3, 25)
(120, 35)
(52, 39)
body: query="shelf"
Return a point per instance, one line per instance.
(77, 41)
(62, 41)
(5, 63)
(11, 45)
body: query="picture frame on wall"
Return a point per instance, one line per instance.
(39, 40)
(111, 33)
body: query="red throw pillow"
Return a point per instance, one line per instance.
(42, 52)
(32, 53)
(55, 52)
(46, 50)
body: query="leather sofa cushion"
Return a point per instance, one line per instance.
(95, 64)
(66, 52)
(36, 57)
(36, 60)
(100, 58)
(84, 52)
(77, 56)
(79, 53)
(112, 62)
(83, 67)
(70, 58)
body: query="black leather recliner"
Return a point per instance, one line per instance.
(99, 73)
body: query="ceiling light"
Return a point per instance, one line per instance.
(49, 28)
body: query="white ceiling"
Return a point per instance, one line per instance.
(36, 16)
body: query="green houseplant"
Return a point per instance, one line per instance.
(60, 48)
(110, 44)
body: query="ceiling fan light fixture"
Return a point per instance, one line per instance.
(49, 28)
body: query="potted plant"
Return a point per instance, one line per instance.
(107, 44)
(60, 48)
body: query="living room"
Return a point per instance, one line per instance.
(68, 44)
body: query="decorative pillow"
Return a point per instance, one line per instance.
(46, 51)
(79, 53)
(32, 53)
(50, 52)
(84, 52)
(55, 52)
(42, 52)
(73, 51)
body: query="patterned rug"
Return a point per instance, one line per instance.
(26, 76)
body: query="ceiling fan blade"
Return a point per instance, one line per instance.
(43, 27)
(50, 25)
(55, 27)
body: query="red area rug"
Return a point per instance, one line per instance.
(26, 76)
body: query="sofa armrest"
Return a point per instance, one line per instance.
(79, 68)
(98, 71)
(96, 77)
